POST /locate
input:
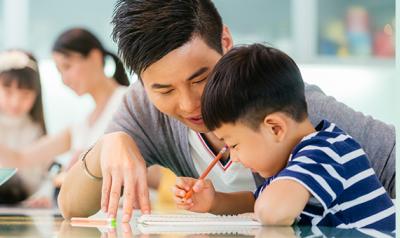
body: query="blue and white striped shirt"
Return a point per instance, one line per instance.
(345, 191)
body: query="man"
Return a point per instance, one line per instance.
(172, 46)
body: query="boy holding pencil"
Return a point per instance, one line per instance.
(254, 101)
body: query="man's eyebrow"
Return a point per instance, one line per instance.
(160, 86)
(197, 73)
(194, 75)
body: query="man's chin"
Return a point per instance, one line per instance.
(201, 128)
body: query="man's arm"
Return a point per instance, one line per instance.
(80, 195)
(117, 159)
(378, 139)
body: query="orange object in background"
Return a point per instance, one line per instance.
(165, 201)
(384, 43)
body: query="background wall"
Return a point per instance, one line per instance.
(320, 35)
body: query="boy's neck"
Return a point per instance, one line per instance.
(301, 130)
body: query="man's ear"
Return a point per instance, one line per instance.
(276, 125)
(226, 39)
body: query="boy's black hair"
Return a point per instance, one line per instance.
(250, 82)
(147, 30)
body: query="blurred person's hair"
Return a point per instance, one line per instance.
(82, 41)
(13, 191)
(26, 77)
(146, 31)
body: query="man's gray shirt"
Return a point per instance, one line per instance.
(164, 140)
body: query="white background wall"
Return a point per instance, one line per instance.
(370, 88)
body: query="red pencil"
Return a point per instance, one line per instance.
(207, 171)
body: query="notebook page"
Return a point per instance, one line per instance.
(198, 229)
(196, 219)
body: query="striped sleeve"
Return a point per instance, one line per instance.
(322, 180)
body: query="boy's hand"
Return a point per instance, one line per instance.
(202, 198)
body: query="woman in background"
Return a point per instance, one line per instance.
(79, 57)
(21, 120)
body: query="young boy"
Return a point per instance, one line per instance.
(254, 101)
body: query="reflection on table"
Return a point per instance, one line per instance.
(16, 222)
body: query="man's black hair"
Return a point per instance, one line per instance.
(147, 30)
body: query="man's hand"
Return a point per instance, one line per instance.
(122, 166)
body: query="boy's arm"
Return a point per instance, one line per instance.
(206, 199)
(232, 203)
(281, 202)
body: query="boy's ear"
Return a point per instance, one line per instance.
(226, 40)
(276, 125)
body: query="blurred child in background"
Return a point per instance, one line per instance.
(21, 121)
(80, 59)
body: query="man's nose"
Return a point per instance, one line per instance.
(189, 102)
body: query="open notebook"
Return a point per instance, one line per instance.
(196, 224)
(196, 219)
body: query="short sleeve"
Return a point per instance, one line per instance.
(262, 187)
(322, 180)
(133, 117)
(376, 137)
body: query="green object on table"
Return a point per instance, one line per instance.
(113, 223)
